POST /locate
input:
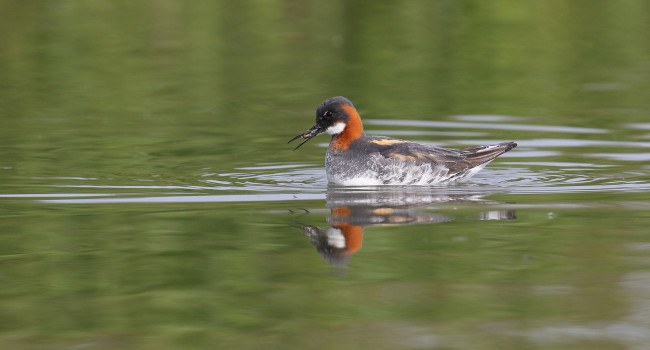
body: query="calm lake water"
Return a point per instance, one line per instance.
(148, 198)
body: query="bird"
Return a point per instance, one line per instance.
(356, 159)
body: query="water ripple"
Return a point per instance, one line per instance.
(536, 170)
(525, 127)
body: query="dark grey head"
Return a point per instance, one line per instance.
(331, 116)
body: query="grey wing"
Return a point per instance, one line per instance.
(452, 159)
(456, 160)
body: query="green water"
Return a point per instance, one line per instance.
(148, 198)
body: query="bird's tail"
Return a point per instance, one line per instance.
(483, 154)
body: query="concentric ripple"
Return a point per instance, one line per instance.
(545, 163)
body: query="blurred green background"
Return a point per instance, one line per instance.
(121, 86)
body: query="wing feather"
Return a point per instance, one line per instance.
(456, 160)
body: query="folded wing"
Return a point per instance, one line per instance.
(456, 160)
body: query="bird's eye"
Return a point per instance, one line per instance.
(327, 114)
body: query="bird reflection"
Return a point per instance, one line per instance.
(351, 210)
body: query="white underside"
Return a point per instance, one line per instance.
(473, 171)
(396, 173)
(357, 181)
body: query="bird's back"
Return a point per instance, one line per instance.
(377, 160)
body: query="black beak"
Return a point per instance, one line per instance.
(307, 135)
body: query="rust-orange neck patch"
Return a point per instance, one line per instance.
(353, 236)
(353, 130)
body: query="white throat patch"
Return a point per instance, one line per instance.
(336, 128)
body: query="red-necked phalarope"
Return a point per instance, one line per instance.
(355, 159)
